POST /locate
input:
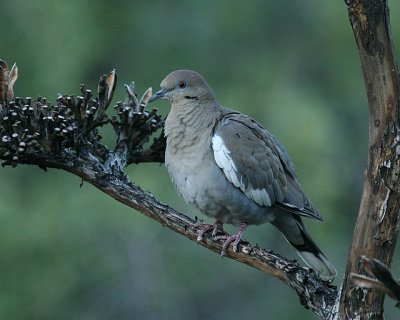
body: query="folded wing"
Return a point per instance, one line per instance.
(254, 161)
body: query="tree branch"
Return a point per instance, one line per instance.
(377, 226)
(64, 136)
(383, 281)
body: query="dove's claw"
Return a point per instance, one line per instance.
(204, 227)
(234, 238)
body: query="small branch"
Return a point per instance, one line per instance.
(384, 280)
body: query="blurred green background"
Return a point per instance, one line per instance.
(73, 253)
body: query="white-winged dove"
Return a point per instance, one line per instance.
(232, 169)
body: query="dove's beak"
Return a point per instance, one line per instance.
(158, 95)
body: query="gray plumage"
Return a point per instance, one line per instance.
(232, 169)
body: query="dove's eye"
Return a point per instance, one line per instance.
(182, 84)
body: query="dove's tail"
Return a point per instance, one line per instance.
(293, 229)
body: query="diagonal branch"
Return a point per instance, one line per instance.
(314, 294)
(64, 136)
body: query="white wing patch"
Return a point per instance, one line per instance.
(225, 162)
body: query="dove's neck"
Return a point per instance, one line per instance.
(191, 123)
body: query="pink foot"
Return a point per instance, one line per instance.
(234, 238)
(204, 227)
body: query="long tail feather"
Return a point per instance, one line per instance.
(293, 229)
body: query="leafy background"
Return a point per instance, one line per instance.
(70, 252)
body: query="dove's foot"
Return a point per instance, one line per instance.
(234, 238)
(204, 227)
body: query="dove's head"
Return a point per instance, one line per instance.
(184, 86)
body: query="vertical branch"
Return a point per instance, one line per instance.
(377, 224)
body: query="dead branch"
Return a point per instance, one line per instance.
(377, 224)
(381, 280)
(64, 136)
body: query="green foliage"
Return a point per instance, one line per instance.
(72, 253)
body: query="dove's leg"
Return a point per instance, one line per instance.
(203, 228)
(234, 238)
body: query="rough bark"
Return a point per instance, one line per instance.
(377, 225)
